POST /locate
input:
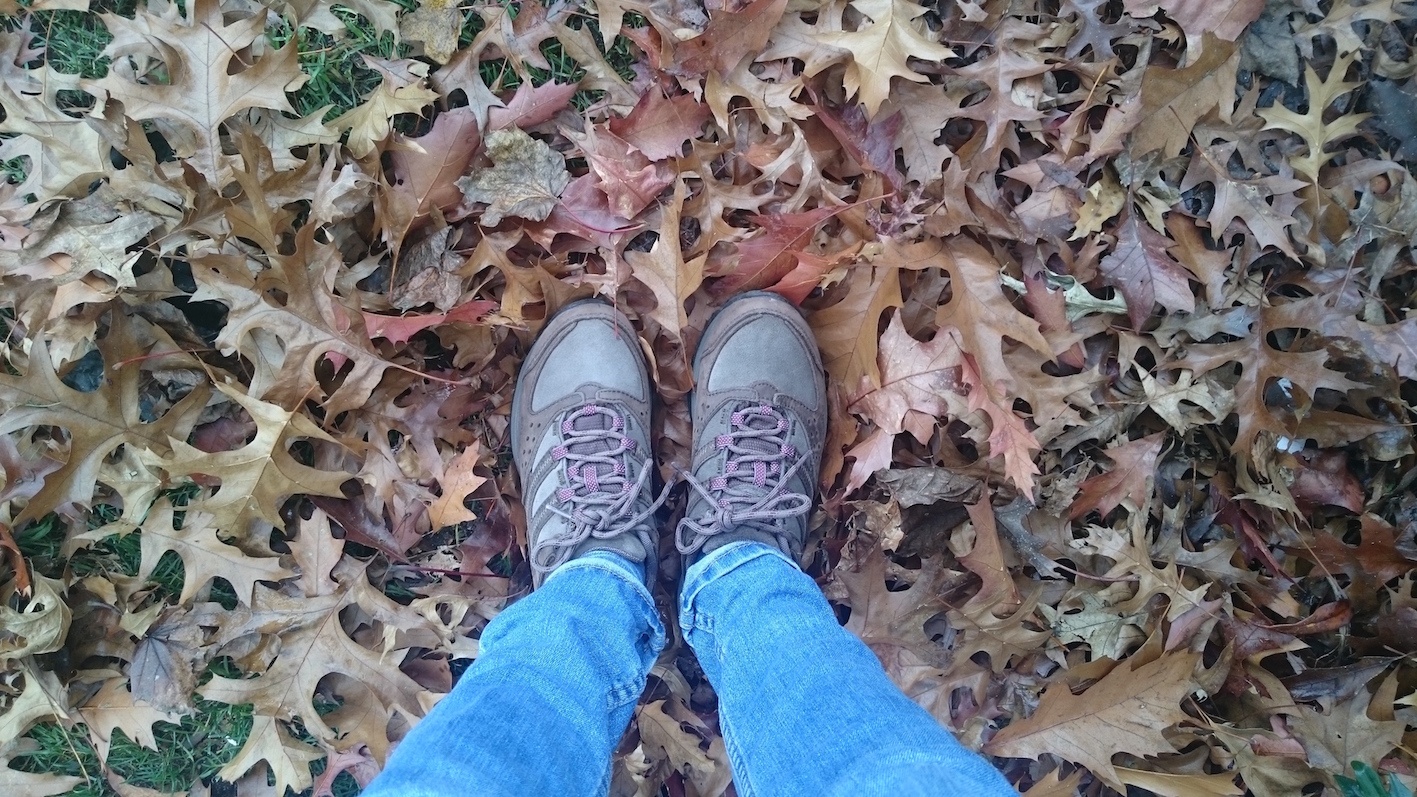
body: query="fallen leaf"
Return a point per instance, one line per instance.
(526, 180)
(1124, 712)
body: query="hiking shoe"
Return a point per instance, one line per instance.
(580, 432)
(759, 410)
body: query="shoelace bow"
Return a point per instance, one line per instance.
(600, 495)
(752, 489)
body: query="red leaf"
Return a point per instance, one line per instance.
(870, 143)
(1129, 480)
(531, 105)
(1142, 269)
(658, 126)
(765, 259)
(399, 328)
(729, 37)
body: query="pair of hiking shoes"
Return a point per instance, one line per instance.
(581, 435)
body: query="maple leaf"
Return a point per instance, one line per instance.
(203, 90)
(526, 178)
(1145, 273)
(1125, 712)
(880, 50)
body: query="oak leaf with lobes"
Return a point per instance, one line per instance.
(1125, 712)
(202, 92)
(885, 39)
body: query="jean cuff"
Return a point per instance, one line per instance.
(612, 563)
(720, 562)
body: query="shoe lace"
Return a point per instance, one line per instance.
(751, 490)
(600, 496)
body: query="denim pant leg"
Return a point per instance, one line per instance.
(553, 688)
(805, 707)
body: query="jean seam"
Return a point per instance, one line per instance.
(736, 764)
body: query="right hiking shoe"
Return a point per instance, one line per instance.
(580, 437)
(759, 411)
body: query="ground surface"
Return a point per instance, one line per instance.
(1114, 298)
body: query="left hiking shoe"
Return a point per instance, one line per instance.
(580, 437)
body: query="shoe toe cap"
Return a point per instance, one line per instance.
(591, 350)
(766, 345)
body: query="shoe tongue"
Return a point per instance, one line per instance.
(599, 444)
(759, 422)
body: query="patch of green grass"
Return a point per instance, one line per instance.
(338, 75)
(196, 748)
(498, 74)
(42, 543)
(15, 170)
(76, 39)
(64, 751)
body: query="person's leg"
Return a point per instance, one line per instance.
(543, 706)
(551, 692)
(805, 707)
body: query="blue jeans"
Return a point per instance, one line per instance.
(805, 707)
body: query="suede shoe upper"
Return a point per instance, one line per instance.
(580, 431)
(759, 411)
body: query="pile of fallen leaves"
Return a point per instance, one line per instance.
(1113, 297)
